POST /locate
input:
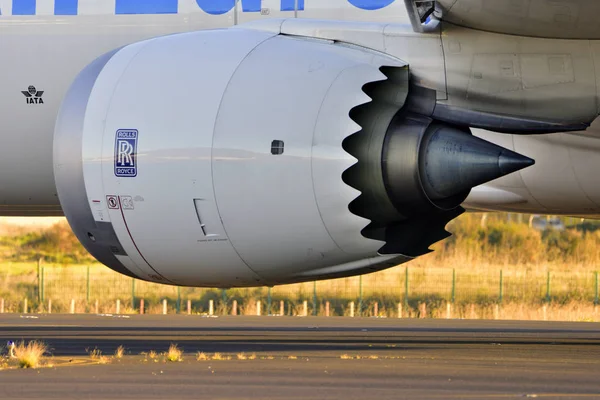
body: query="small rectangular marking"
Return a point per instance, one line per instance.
(127, 202)
(112, 202)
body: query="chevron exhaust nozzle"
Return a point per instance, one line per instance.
(413, 172)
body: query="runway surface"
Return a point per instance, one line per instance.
(304, 358)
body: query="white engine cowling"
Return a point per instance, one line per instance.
(240, 157)
(167, 164)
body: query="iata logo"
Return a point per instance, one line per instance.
(33, 96)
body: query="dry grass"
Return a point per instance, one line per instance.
(572, 311)
(96, 355)
(152, 354)
(242, 356)
(103, 360)
(220, 357)
(346, 357)
(119, 352)
(252, 356)
(249, 307)
(200, 356)
(174, 354)
(30, 355)
(292, 358)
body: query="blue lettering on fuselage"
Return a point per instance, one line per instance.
(290, 5)
(23, 7)
(65, 7)
(370, 4)
(146, 7)
(218, 7)
(213, 7)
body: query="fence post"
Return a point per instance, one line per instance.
(96, 308)
(72, 307)
(164, 307)
(351, 309)
(399, 310)
(87, 292)
(281, 308)
(42, 284)
(141, 306)
(118, 307)
(189, 307)
(2, 306)
(314, 302)
(596, 289)
(268, 301)
(211, 307)
(501, 289)
(178, 305)
(39, 272)
(406, 288)
(305, 308)
(448, 311)
(234, 308)
(360, 296)
(548, 288)
(545, 312)
(453, 296)
(327, 309)
(49, 306)
(25, 306)
(376, 309)
(258, 308)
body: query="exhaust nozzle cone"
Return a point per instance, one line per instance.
(453, 162)
(510, 162)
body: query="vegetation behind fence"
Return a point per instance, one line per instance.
(408, 285)
(494, 259)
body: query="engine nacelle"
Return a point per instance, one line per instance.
(229, 158)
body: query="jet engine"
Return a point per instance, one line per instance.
(241, 157)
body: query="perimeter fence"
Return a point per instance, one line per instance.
(403, 290)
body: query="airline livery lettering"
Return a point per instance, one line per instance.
(213, 7)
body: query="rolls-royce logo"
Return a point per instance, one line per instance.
(33, 96)
(126, 153)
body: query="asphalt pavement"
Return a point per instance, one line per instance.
(303, 358)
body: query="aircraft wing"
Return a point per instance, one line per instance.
(560, 19)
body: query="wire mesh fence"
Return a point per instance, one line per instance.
(96, 289)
